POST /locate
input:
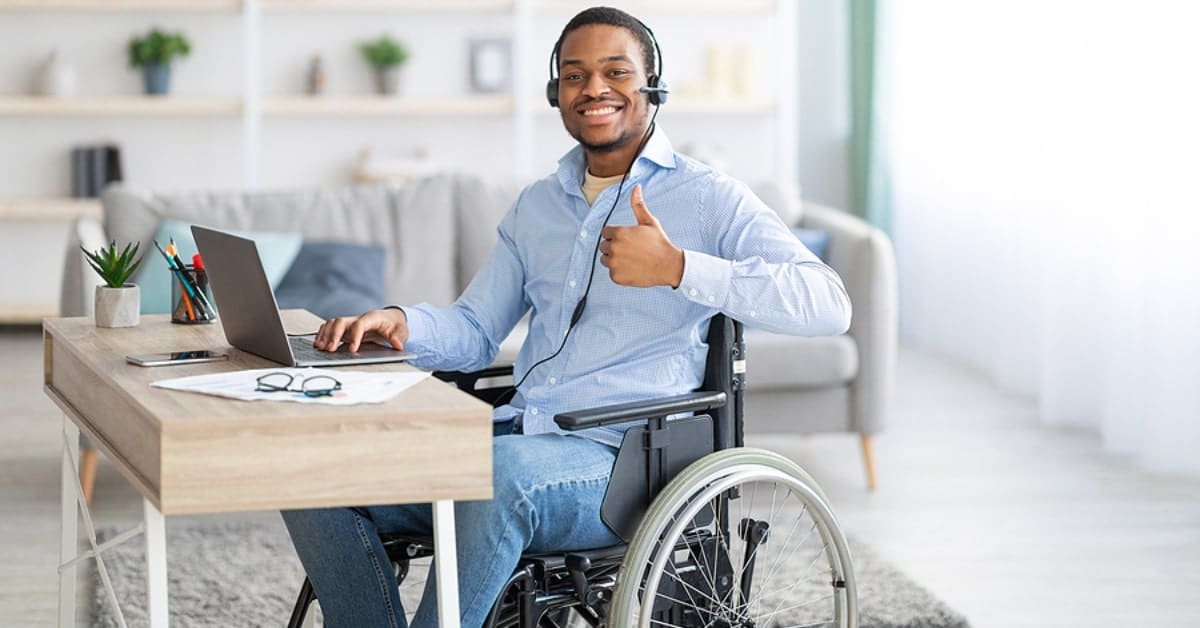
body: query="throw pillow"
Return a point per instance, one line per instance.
(333, 279)
(277, 251)
(815, 240)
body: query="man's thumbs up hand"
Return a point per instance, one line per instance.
(640, 211)
(642, 255)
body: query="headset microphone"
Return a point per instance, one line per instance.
(658, 91)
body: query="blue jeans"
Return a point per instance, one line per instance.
(546, 496)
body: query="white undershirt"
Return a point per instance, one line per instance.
(593, 185)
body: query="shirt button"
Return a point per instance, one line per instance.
(533, 411)
(571, 283)
(711, 298)
(753, 314)
(583, 233)
(553, 380)
(692, 292)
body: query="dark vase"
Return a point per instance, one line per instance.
(157, 77)
(387, 80)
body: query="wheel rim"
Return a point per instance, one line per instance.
(777, 566)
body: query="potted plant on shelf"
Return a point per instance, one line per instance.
(153, 53)
(386, 56)
(118, 303)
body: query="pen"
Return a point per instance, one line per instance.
(199, 295)
(182, 277)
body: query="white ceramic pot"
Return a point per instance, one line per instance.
(118, 307)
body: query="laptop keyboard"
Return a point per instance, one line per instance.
(303, 351)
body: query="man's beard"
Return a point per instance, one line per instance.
(608, 147)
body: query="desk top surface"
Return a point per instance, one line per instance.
(189, 452)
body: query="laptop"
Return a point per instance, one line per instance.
(250, 314)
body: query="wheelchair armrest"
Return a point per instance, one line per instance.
(491, 371)
(649, 409)
(468, 382)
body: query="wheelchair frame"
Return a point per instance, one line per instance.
(662, 467)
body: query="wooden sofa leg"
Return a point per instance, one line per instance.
(869, 460)
(87, 472)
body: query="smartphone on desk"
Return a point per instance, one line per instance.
(175, 357)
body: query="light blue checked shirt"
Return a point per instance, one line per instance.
(631, 343)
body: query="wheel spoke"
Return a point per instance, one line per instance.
(746, 563)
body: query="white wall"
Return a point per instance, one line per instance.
(178, 153)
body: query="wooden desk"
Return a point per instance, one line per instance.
(191, 453)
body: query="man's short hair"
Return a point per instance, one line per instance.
(611, 17)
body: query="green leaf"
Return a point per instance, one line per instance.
(158, 47)
(114, 268)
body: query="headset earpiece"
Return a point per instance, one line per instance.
(656, 90)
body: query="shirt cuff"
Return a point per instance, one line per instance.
(705, 278)
(418, 325)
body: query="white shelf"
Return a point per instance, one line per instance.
(432, 6)
(720, 106)
(48, 209)
(637, 7)
(26, 313)
(122, 5)
(703, 106)
(118, 106)
(387, 106)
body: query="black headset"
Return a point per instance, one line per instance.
(656, 88)
(656, 91)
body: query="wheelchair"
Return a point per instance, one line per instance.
(716, 534)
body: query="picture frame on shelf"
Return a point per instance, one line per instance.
(490, 65)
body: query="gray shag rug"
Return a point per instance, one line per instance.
(247, 574)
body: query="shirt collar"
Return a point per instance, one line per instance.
(658, 152)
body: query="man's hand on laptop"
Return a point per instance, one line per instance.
(390, 326)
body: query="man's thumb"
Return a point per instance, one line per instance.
(640, 211)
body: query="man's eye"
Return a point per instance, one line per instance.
(572, 77)
(619, 72)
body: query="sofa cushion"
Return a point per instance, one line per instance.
(778, 361)
(815, 240)
(773, 361)
(333, 279)
(783, 197)
(481, 205)
(414, 223)
(277, 250)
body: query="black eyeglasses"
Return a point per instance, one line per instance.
(312, 386)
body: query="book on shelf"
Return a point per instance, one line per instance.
(93, 167)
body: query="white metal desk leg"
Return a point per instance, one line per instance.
(70, 525)
(445, 560)
(156, 566)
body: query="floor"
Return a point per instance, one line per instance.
(1011, 523)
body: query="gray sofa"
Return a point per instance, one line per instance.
(438, 231)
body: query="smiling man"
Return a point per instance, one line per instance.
(680, 242)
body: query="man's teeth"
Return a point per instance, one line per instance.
(603, 111)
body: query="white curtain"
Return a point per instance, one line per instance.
(1044, 160)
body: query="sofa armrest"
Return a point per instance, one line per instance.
(863, 256)
(78, 289)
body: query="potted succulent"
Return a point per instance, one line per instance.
(386, 56)
(118, 303)
(153, 53)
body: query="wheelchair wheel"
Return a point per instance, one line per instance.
(742, 537)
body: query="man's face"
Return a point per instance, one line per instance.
(600, 71)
